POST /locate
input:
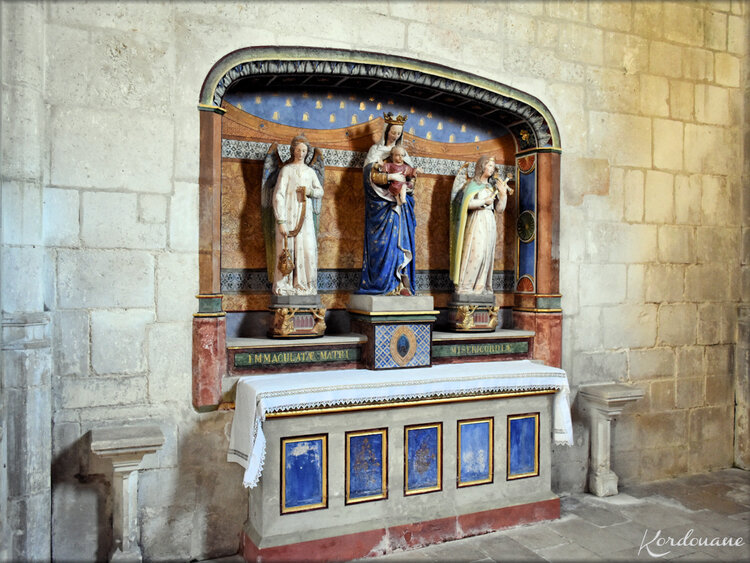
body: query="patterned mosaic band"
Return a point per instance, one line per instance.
(252, 150)
(235, 280)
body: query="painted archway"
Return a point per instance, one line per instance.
(527, 119)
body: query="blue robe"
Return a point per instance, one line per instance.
(386, 245)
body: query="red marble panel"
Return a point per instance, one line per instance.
(548, 338)
(408, 536)
(209, 360)
(491, 520)
(423, 533)
(339, 548)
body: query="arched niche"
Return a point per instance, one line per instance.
(534, 150)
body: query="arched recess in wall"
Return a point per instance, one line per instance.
(535, 141)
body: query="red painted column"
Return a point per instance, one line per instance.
(209, 360)
(209, 324)
(540, 310)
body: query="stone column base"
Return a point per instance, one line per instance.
(603, 484)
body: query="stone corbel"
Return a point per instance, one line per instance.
(604, 403)
(125, 447)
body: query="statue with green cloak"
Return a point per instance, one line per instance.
(474, 203)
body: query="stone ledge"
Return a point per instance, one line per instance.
(611, 394)
(126, 439)
(391, 303)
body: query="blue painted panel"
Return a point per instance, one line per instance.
(324, 109)
(475, 451)
(423, 458)
(526, 258)
(365, 465)
(527, 192)
(523, 450)
(303, 473)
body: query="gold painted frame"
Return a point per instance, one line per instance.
(384, 469)
(323, 470)
(490, 450)
(535, 472)
(439, 460)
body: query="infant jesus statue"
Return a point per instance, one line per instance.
(398, 166)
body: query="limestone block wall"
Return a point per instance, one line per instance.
(100, 162)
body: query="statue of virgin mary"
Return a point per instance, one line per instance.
(388, 259)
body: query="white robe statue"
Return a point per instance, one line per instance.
(296, 187)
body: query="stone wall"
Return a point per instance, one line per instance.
(100, 171)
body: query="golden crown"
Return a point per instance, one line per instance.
(397, 120)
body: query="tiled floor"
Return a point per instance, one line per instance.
(624, 527)
(642, 523)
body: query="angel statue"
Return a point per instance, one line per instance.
(291, 195)
(473, 228)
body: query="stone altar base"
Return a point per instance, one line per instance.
(472, 313)
(359, 516)
(398, 329)
(297, 316)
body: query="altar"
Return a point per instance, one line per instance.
(379, 299)
(349, 464)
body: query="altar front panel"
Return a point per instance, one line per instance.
(451, 507)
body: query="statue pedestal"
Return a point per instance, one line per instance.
(605, 401)
(472, 313)
(297, 316)
(125, 447)
(398, 329)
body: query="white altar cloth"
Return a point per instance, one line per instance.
(258, 395)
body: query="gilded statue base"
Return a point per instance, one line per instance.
(297, 317)
(474, 313)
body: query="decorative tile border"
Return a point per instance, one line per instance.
(476, 451)
(236, 280)
(366, 469)
(253, 150)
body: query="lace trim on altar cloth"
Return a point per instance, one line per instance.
(248, 446)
